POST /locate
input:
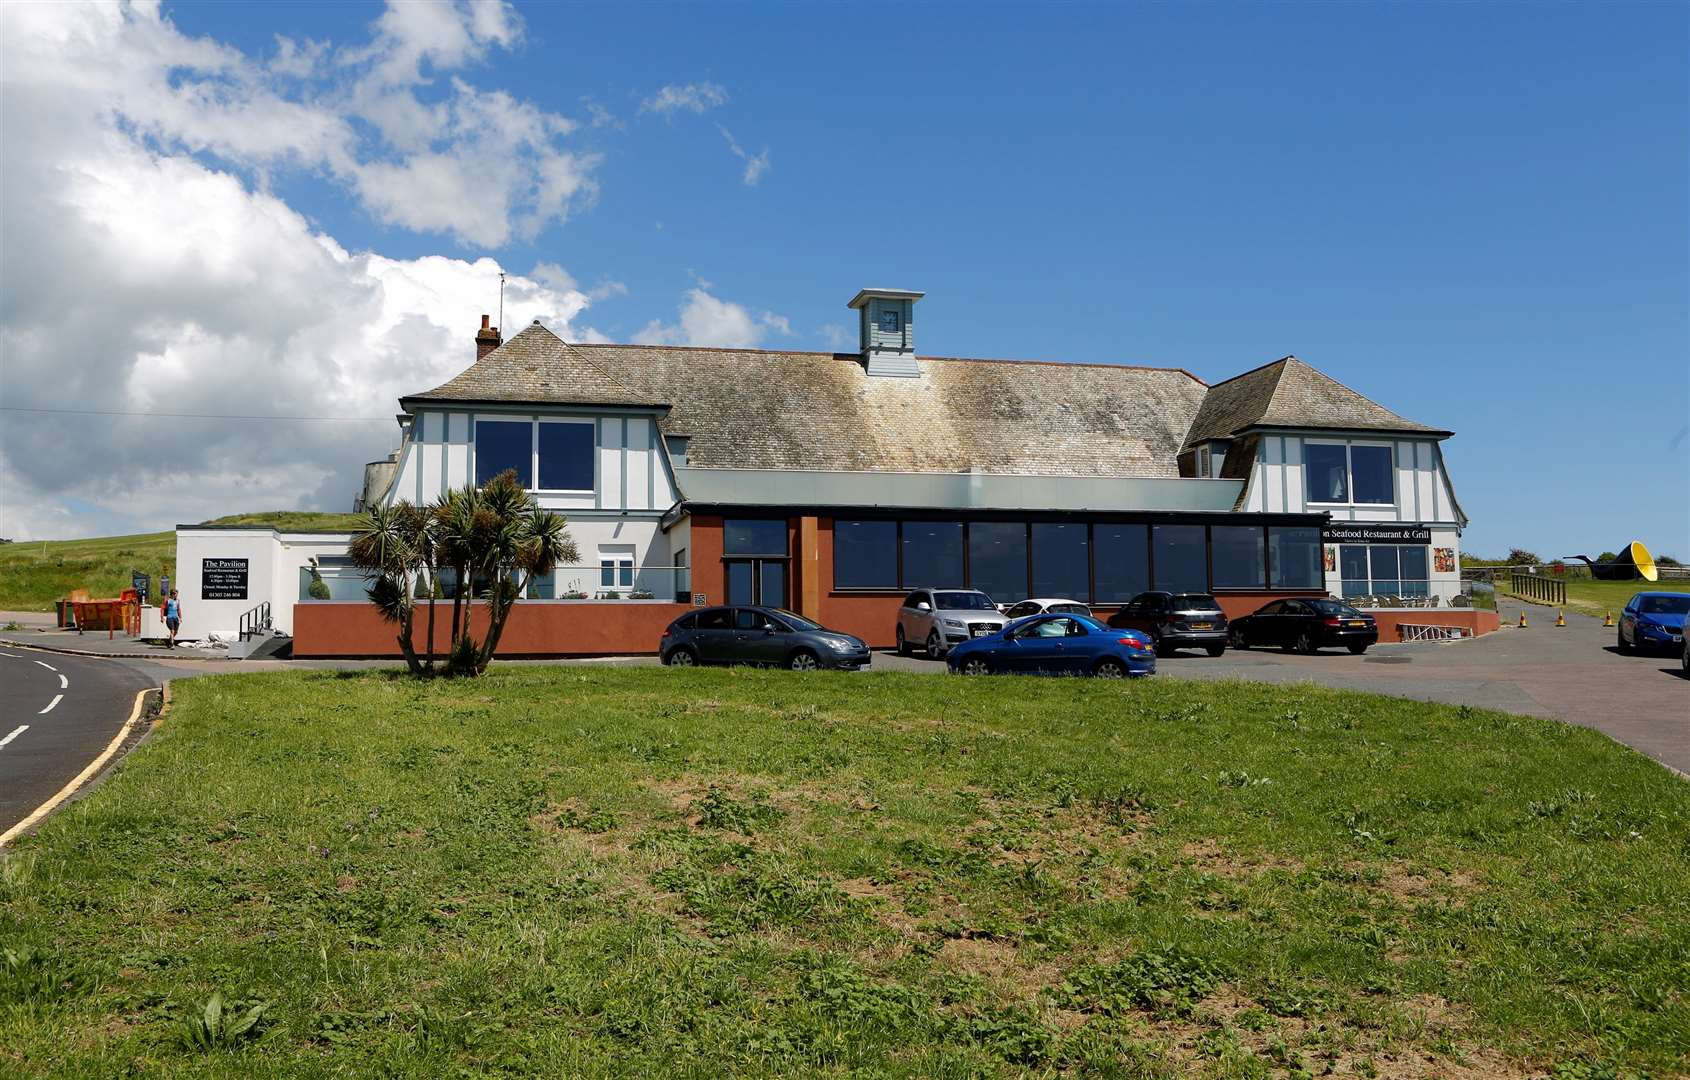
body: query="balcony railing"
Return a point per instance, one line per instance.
(667, 584)
(1413, 593)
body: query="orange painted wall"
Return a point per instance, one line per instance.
(573, 628)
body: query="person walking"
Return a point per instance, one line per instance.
(172, 616)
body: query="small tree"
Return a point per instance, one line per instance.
(494, 539)
(1522, 557)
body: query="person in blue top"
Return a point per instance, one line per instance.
(172, 616)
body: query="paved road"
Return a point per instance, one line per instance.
(1573, 673)
(57, 713)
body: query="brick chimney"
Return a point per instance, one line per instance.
(486, 339)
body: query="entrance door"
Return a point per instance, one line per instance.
(757, 581)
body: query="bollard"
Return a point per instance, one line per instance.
(1522, 620)
(1560, 619)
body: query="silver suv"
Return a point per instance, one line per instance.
(936, 619)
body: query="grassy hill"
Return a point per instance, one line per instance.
(642, 872)
(33, 574)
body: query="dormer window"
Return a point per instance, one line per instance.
(888, 321)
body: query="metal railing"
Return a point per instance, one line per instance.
(255, 621)
(1542, 589)
(668, 584)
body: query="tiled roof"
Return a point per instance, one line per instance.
(1290, 394)
(759, 409)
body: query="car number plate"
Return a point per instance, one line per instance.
(979, 633)
(1202, 626)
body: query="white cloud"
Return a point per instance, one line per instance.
(375, 117)
(755, 164)
(708, 320)
(160, 281)
(693, 97)
(836, 337)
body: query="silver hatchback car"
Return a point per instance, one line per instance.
(936, 619)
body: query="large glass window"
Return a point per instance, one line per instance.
(1122, 557)
(932, 553)
(504, 444)
(566, 457)
(1412, 566)
(1238, 556)
(746, 536)
(1294, 557)
(1382, 561)
(1061, 560)
(1352, 568)
(865, 554)
(1181, 562)
(1370, 474)
(997, 559)
(1327, 469)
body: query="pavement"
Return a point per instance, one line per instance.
(1573, 673)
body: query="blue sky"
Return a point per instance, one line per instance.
(1475, 215)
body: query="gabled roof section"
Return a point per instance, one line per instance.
(537, 366)
(1290, 394)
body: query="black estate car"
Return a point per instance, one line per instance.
(1306, 625)
(1175, 620)
(758, 635)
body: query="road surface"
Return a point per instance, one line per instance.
(57, 714)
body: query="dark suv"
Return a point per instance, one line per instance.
(758, 635)
(1175, 620)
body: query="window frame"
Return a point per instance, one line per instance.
(1349, 446)
(592, 454)
(475, 455)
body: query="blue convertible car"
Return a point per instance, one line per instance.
(1654, 620)
(1057, 644)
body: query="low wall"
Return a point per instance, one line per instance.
(1474, 621)
(535, 628)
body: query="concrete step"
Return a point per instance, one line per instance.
(265, 646)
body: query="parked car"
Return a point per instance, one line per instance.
(1305, 626)
(767, 636)
(1057, 645)
(1176, 621)
(1653, 620)
(1045, 606)
(936, 619)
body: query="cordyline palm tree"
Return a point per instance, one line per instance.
(495, 539)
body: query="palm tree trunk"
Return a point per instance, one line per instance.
(431, 592)
(405, 645)
(496, 626)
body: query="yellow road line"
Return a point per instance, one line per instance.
(81, 778)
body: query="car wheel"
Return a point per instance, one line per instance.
(935, 645)
(1160, 647)
(975, 665)
(1305, 644)
(903, 645)
(1624, 645)
(1110, 669)
(1215, 650)
(1239, 641)
(682, 657)
(803, 660)
(1357, 650)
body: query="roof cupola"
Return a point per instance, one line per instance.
(886, 331)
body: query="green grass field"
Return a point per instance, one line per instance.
(641, 872)
(34, 574)
(1608, 597)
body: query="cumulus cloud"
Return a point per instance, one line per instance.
(704, 319)
(693, 97)
(755, 164)
(147, 268)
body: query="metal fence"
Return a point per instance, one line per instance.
(615, 581)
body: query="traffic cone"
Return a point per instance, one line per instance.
(1560, 619)
(1522, 620)
(1607, 618)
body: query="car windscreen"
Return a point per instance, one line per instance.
(963, 601)
(1195, 602)
(1665, 605)
(796, 621)
(1333, 607)
(1068, 609)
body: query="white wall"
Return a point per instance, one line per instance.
(1278, 485)
(632, 472)
(273, 559)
